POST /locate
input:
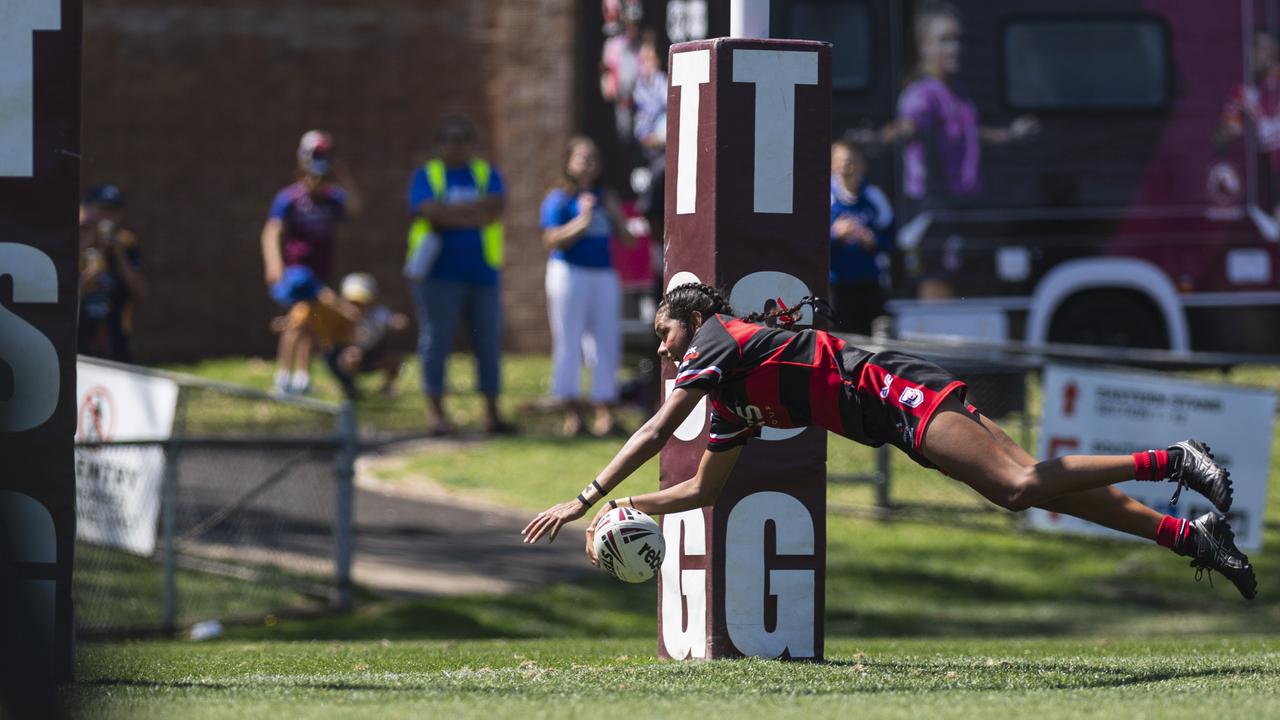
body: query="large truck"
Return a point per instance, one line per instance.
(1101, 172)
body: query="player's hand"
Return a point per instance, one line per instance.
(850, 229)
(349, 360)
(840, 228)
(591, 536)
(551, 520)
(586, 203)
(863, 235)
(1024, 127)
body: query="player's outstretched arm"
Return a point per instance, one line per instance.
(643, 444)
(698, 491)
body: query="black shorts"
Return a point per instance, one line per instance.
(899, 395)
(373, 356)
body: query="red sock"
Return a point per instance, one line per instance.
(1151, 465)
(1172, 531)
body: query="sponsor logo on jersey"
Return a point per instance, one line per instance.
(749, 413)
(911, 397)
(888, 382)
(690, 354)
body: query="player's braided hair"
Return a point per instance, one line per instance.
(777, 314)
(683, 300)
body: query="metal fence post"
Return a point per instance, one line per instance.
(168, 510)
(344, 474)
(883, 460)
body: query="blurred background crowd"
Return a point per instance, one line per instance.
(496, 195)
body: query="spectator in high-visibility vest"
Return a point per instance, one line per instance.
(453, 265)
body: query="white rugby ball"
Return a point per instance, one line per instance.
(629, 544)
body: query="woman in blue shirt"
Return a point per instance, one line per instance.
(861, 232)
(584, 296)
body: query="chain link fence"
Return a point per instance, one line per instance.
(246, 513)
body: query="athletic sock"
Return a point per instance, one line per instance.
(301, 381)
(1172, 532)
(1151, 465)
(282, 380)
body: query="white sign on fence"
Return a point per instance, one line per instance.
(1096, 412)
(118, 488)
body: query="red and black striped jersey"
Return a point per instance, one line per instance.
(759, 376)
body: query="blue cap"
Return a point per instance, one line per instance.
(106, 194)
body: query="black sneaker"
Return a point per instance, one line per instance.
(1211, 545)
(1195, 468)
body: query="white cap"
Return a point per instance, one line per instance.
(359, 287)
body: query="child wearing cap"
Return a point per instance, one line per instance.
(367, 347)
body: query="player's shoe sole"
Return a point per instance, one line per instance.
(1211, 545)
(1198, 470)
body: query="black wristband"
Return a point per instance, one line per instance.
(598, 488)
(613, 504)
(583, 501)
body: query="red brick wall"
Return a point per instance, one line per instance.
(195, 110)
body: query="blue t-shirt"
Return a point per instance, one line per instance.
(851, 261)
(592, 248)
(461, 249)
(310, 221)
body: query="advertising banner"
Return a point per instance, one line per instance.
(1096, 412)
(118, 488)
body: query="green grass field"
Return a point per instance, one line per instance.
(1158, 678)
(944, 608)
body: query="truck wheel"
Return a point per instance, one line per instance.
(1113, 318)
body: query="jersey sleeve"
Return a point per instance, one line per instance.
(129, 243)
(496, 185)
(883, 223)
(712, 354)
(280, 205)
(338, 196)
(916, 105)
(729, 433)
(555, 210)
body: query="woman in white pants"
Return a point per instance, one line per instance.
(584, 297)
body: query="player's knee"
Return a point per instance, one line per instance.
(1022, 489)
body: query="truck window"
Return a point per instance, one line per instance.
(1086, 64)
(847, 26)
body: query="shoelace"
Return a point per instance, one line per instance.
(1178, 476)
(1204, 570)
